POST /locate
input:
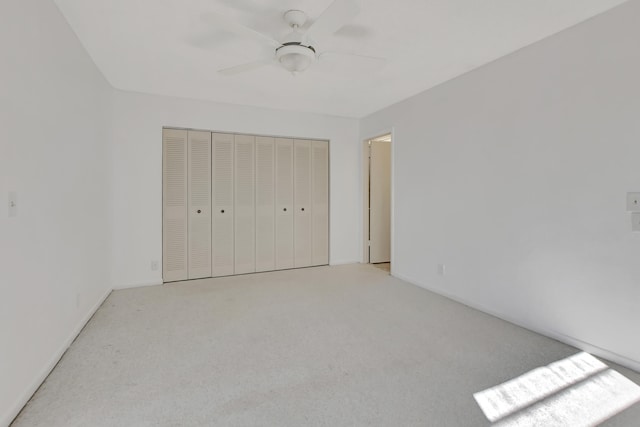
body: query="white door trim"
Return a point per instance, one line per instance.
(364, 147)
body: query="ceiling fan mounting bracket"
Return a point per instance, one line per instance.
(295, 18)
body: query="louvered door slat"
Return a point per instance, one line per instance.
(320, 210)
(244, 183)
(284, 204)
(222, 233)
(302, 202)
(265, 204)
(199, 204)
(174, 200)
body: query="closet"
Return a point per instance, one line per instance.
(235, 204)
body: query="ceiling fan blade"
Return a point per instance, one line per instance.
(353, 31)
(209, 40)
(338, 14)
(374, 60)
(244, 5)
(226, 23)
(242, 68)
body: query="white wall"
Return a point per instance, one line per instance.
(136, 174)
(54, 256)
(514, 176)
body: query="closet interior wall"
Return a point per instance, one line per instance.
(235, 204)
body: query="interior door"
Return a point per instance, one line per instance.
(302, 202)
(265, 204)
(222, 232)
(380, 202)
(244, 221)
(284, 203)
(199, 204)
(174, 205)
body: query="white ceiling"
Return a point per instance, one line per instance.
(165, 47)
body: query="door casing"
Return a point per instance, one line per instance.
(365, 164)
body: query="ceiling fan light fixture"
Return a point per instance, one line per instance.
(295, 57)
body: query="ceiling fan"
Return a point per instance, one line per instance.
(296, 52)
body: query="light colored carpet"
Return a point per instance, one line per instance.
(328, 346)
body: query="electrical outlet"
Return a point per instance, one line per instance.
(633, 202)
(154, 265)
(441, 269)
(635, 221)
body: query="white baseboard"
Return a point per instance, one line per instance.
(44, 373)
(558, 336)
(137, 285)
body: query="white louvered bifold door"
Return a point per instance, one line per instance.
(245, 219)
(320, 203)
(284, 203)
(199, 213)
(265, 204)
(222, 233)
(302, 202)
(174, 205)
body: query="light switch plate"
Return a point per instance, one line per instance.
(635, 221)
(633, 202)
(13, 204)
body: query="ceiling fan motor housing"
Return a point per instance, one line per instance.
(295, 57)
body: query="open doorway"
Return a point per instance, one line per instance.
(377, 201)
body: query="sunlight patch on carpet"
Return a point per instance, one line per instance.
(578, 391)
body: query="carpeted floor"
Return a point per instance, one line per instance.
(327, 346)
